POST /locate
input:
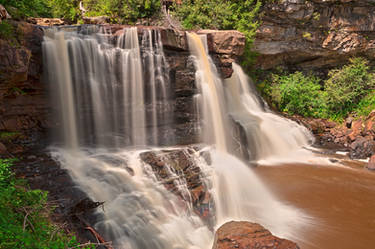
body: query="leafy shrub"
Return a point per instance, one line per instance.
(349, 89)
(27, 8)
(123, 11)
(24, 219)
(298, 94)
(346, 86)
(366, 105)
(67, 9)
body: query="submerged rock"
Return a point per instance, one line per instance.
(247, 235)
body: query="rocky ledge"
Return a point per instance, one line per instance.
(247, 235)
(357, 136)
(315, 34)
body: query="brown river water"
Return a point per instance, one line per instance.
(340, 200)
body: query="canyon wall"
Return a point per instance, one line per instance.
(315, 35)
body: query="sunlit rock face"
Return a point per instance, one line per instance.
(315, 35)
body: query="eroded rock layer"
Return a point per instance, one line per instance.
(315, 35)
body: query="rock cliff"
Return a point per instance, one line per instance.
(315, 34)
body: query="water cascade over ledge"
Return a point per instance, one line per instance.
(113, 100)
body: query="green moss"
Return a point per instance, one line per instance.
(24, 213)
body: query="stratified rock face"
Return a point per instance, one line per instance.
(22, 95)
(247, 235)
(315, 35)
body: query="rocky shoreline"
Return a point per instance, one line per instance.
(355, 136)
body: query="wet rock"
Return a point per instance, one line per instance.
(247, 235)
(180, 166)
(371, 164)
(362, 148)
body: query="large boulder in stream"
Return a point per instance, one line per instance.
(247, 235)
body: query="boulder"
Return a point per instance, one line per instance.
(4, 13)
(225, 41)
(46, 21)
(362, 148)
(371, 163)
(247, 235)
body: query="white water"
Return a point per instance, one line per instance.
(100, 88)
(211, 87)
(106, 102)
(238, 193)
(276, 138)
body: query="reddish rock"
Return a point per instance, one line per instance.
(225, 41)
(371, 163)
(247, 235)
(357, 127)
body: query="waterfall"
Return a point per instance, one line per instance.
(211, 87)
(268, 136)
(238, 193)
(99, 88)
(113, 99)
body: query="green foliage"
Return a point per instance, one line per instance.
(123, 11)
(366, 105)
(298, 94)
(346, 86)
(67, 9)
(214, 14)
(26, 8)
(222, 14)
(24, 219)
(349, 89)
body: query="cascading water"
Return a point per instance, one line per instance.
(104, 97)
(238, 193)
(115, 93)
(268, 135)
